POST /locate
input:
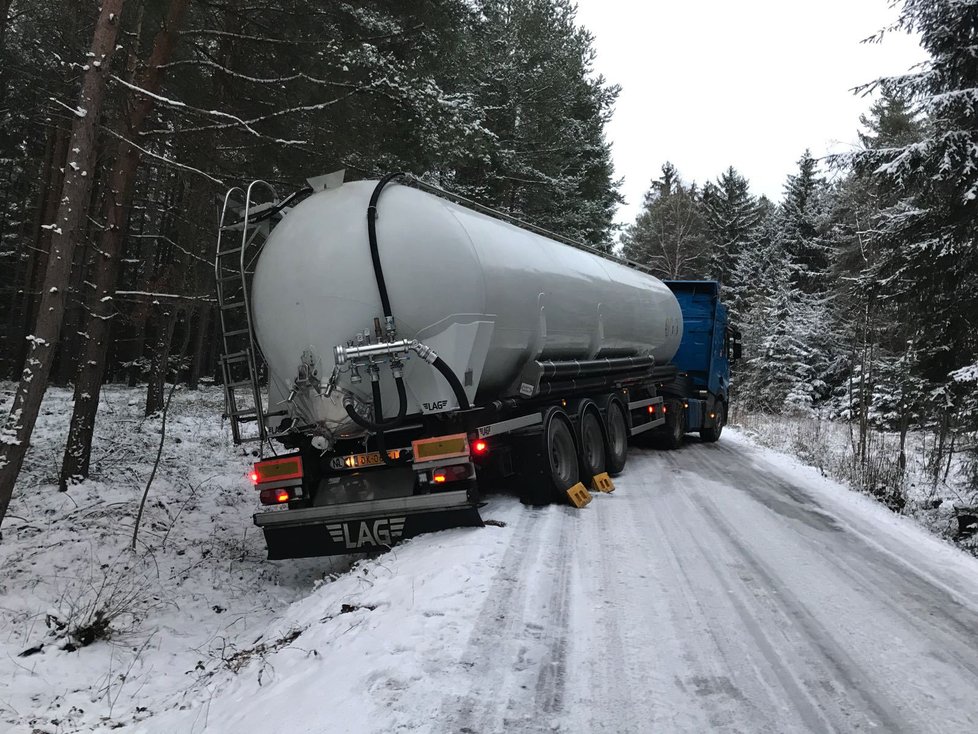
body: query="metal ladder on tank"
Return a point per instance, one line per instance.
(233, 270)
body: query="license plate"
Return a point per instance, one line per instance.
(358, 461)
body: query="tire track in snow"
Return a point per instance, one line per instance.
(679, 533)
(551, 679)
(795, 614)
(924, 605)
(515, 660)
(935, 625)
(604, 680)
(827, 651)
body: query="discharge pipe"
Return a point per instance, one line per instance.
(343, 354)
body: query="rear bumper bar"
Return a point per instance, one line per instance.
(358, 527)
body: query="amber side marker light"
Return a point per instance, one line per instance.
(453, 473)
(274, 496)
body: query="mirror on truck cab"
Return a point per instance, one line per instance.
(736, 350)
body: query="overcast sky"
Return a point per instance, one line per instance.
(750, 83)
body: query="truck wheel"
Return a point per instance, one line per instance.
(592, 443)
(561, 454)
(712, 434)
(676, 424)
(549, 463)
(616, 445)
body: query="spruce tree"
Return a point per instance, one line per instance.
(930, 233)
(669, 233)
(546, 158)
(732, 218)
(802, 214)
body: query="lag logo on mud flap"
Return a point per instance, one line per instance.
(355, 535)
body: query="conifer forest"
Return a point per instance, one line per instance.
(123, 122)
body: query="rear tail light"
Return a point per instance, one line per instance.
(254, 477)
(453, 473)
(480, 447)
(274, 496)
(651, 410)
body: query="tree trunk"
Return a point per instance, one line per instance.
(904, 427)
(4, 22)
(38, 260)
(4, 13)
(88, 386)
(16, 433)
(164, 323)
(199, 362)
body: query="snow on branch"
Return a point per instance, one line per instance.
(172, 243)
(177, 104)
(246, 37)
(298, 76)
(164, 159)
(171, 296)
(271, 116)
(76, 111)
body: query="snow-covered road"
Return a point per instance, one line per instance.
(720, 588)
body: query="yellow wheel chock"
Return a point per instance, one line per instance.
(578, 495)
(602, 483)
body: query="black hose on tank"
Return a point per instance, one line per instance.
(382, 449)
(385, 301)
(453, 381)
(379, 424)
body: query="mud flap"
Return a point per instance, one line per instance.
(360, 527)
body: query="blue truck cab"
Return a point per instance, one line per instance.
(700, 396)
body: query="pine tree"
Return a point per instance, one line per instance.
(931, 231)
(802, 214)
(547, 159)
(732, 217)
(787, 319)
(881, 388)
(88, 382)
(16, 433)
(669, 233)
(927, 235)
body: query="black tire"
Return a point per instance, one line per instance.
(592, 442)
(676, 425)
(560, 453)
(616, 437)
(554, 458)
(712, 434)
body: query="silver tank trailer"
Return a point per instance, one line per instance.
(486, 295)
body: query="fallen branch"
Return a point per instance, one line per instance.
(156, 464)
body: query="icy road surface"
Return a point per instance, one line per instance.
(720, 588)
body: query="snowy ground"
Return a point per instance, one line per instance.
(723, 587)
(931, 490)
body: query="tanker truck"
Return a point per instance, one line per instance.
(395, 350)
